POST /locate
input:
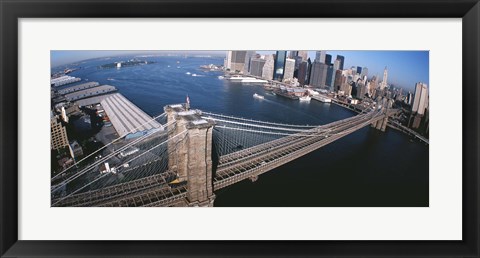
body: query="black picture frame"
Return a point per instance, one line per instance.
(11, 11)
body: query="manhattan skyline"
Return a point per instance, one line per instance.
(405, 68)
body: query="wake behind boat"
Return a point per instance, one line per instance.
(258, 96)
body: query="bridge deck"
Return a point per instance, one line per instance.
(274, 155)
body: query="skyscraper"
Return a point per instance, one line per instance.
(235, 61)
(302, 73)
(320, 56)
(248, 57)
(279, 65)
(256, 66)
(364, 72)
(420, 101)
(385, 77)
(303, 54)
(330, 76)
(318, 76)
(267, 71)
(342, 61)
(289, 69)
(359, 70)
(328, 59)
(292, 54)
(339, 80)
(336, 65)
(309, 71)
(58, 133)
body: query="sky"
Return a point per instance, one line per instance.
(405, 68)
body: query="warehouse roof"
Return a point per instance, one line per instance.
(90, 92)
(78, 87)
(126, 117)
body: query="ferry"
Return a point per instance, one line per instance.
(322, 99)
(258, 96)
(304, 98)
(243, 79)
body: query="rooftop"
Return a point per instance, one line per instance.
(126, 117)
(90, 92)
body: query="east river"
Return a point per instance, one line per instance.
(366, 168)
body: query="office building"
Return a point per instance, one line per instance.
(267, 71)
(328, 59)
(385, 77)
(339, 80)
(292, 54)
(330, 77)
(303, 73)
(303, 54)
(289, 69)
(279, 65)
(58, 133)
(336, 65)
(320, 56)
(420, 100)
(318, 76)
(248, 57)
(235, 61)
(341, 60)
(364, 72)
(359, 70)
(256, 66)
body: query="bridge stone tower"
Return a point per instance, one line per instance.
(190, 153)
(382, 123)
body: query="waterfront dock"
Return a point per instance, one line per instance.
(90, 92)
(78, 87)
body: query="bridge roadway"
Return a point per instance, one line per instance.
(248, 163)
(252, 162)
(147, 191)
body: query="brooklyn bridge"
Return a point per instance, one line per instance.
(192, 155)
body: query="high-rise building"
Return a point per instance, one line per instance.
(227, 63)
(330, 77)
(385, 77)
(364, 72)
(298, 61)
(361, 90)
(309, 71)
(341, 59)
(292, 54)
(279, 65)
(303, 54)
(318, 76)
(420, 101)
(256, 66)
(339, 80)
(248, 57)
(359, 70)
(320, 56)
(289, 69)
(236, 61)
(58, 133)
(409, 98)
(267, 71)
(336, 65)
(328, 59)
(302, 73)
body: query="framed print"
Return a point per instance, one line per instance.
(324, 128)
